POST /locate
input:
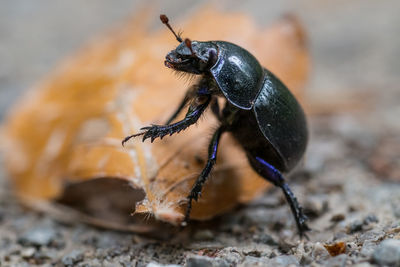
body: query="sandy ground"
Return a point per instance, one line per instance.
(348, 184)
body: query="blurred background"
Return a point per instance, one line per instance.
(354, 44)
(353, 92)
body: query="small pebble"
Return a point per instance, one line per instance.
(155, 264)
(203, 261)
(39, 236)
(257, 251)
(284, 260)
(370, 219)
(126, 261)
(110, 263)
(72, 258)
(286, 245)
(387, 253)
(338, 261)
(250, 261)
(231, 255)
(28, 252)
(372, 235)
(368, 248)
(319, 252)
(91, 263)
(355, 226)
(337, 217)
(51, 254)
(305, 260)
(362, 264)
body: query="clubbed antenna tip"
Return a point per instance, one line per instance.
(164, 19)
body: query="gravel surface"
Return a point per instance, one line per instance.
(349, 185)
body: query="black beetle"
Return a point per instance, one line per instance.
(260, 112)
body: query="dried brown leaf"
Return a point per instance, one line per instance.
(69, 129)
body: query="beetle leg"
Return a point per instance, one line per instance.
(189, 95)
(270, 173)
(198, 185)
(215, 108)
(159, 131)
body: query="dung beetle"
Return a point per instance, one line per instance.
(260, 112)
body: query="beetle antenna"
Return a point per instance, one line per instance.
(164, 19)
(188, 43)
(126, 139)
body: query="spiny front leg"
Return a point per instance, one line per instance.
(198, 185)
(195, 111)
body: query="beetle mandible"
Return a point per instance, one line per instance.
(260, 112)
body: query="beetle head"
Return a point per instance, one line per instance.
(192, 57)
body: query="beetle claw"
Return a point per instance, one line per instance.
(302, 225)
